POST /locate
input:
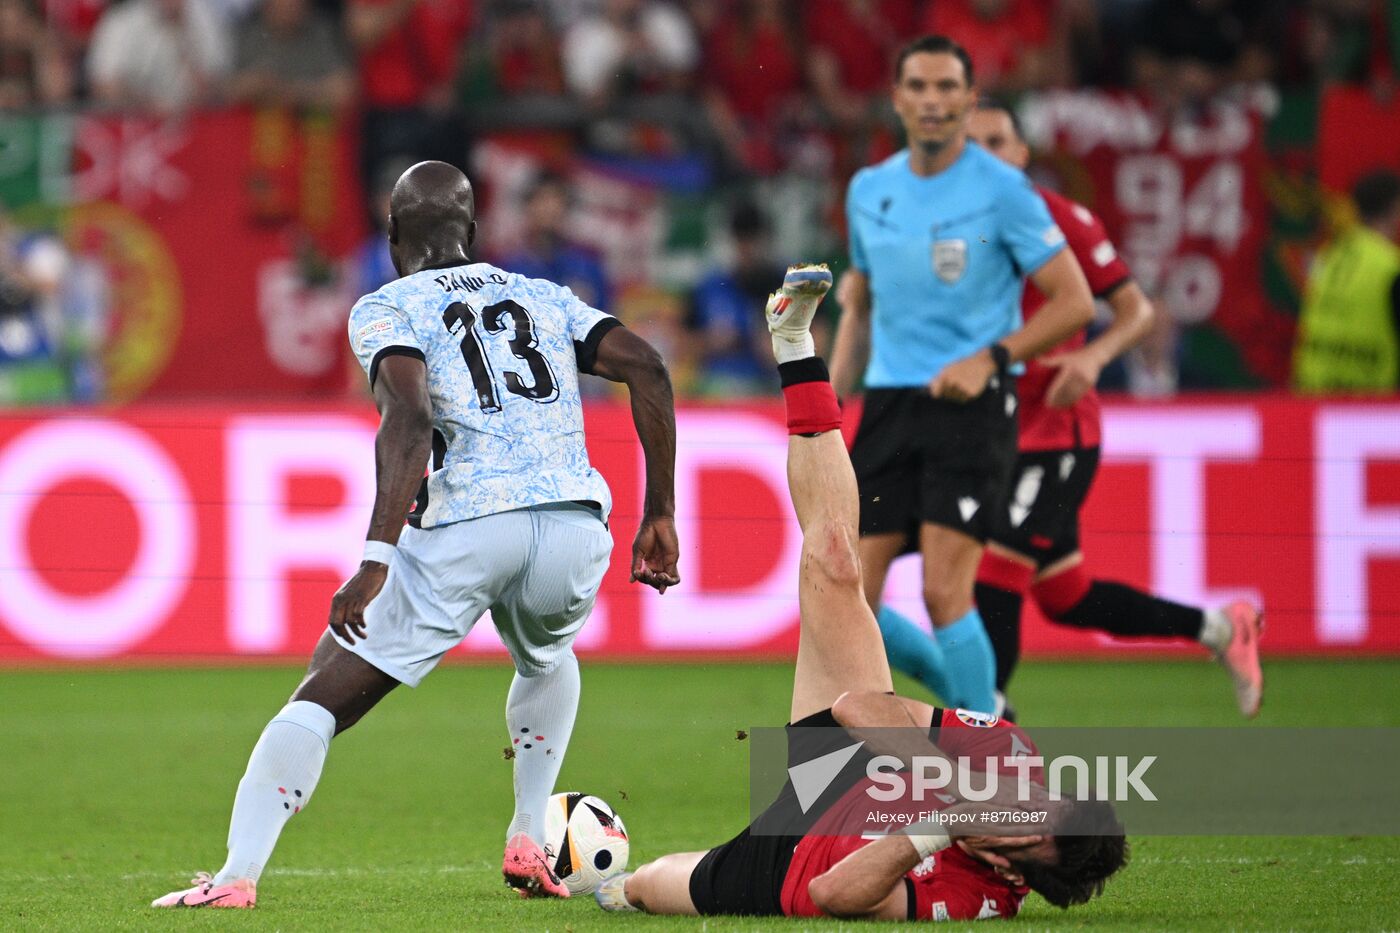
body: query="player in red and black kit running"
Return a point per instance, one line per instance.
(1035, 545)
(842, 686)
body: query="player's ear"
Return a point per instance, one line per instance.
(471, 234)
(393, 230)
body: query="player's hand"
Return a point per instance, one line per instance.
(992, 850)
(655, 551)
(1078, 372)
(852, 290)
(348, 604)
(964, 380)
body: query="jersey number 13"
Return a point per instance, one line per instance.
(495, 319)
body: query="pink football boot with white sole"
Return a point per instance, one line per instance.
(1241, 658)
(241, 893)
(527, 869)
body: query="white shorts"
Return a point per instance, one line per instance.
(537, 570)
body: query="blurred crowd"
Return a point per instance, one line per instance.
(747, 77)
(754, 87)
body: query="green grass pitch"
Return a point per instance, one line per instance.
(117, 786)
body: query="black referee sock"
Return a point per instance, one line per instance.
(1127, 612)
(1001, 615)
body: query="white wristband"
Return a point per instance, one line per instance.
(926, 843)
(381, 552)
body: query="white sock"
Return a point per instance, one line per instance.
(787, 348)
(1216, 631)
(282, 773)
(540, 714)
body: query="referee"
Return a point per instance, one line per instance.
(942, 235)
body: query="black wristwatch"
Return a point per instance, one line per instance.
(1001, 356)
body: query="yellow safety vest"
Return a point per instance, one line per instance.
(1346, 333)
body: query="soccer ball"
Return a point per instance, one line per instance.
(585, 839)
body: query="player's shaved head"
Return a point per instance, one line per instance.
(432, 217)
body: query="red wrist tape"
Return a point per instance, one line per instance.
(812, 408)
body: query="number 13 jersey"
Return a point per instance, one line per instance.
(503, 354)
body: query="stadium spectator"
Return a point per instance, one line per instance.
(1349, 331)
(548, 251)
(1188, 51)
(517, 55)
(33, 69)
(165, 55)
(1353, 40)
(728, 311)
(1010, 41)
(629, 47)
(851, 46)
(564, 13)
(31, 316)
(408, 55)
(374, 267)
(291, 55)
(1152, 369)
(1084, 55)
(753, 79)
(72, 21)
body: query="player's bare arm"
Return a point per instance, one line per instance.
(401, 451)
(1069, 307)
(624, 357)
(869, 882)
(1079, 369)
(851, 349)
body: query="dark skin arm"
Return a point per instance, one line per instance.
(401, 451)
(624, 357)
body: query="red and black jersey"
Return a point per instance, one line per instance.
(948, 885)
(1044, 428)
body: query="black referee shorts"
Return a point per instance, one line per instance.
(1041, 517)
(920, 459)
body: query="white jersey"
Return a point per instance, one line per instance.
(503, 354)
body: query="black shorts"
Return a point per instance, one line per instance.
(920, 459)
(1041, 518)
(744, 876)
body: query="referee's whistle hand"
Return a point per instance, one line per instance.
(966, 379)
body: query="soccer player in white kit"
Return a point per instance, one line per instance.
(478, 368)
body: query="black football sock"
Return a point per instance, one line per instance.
(1124, 611)
(1001, 615)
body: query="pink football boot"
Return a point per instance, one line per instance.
(527, 869)
(205, 893)
(1241, 659)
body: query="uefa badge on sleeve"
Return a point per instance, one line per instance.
(949, 260)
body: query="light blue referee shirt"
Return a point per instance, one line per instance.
(946, 256)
